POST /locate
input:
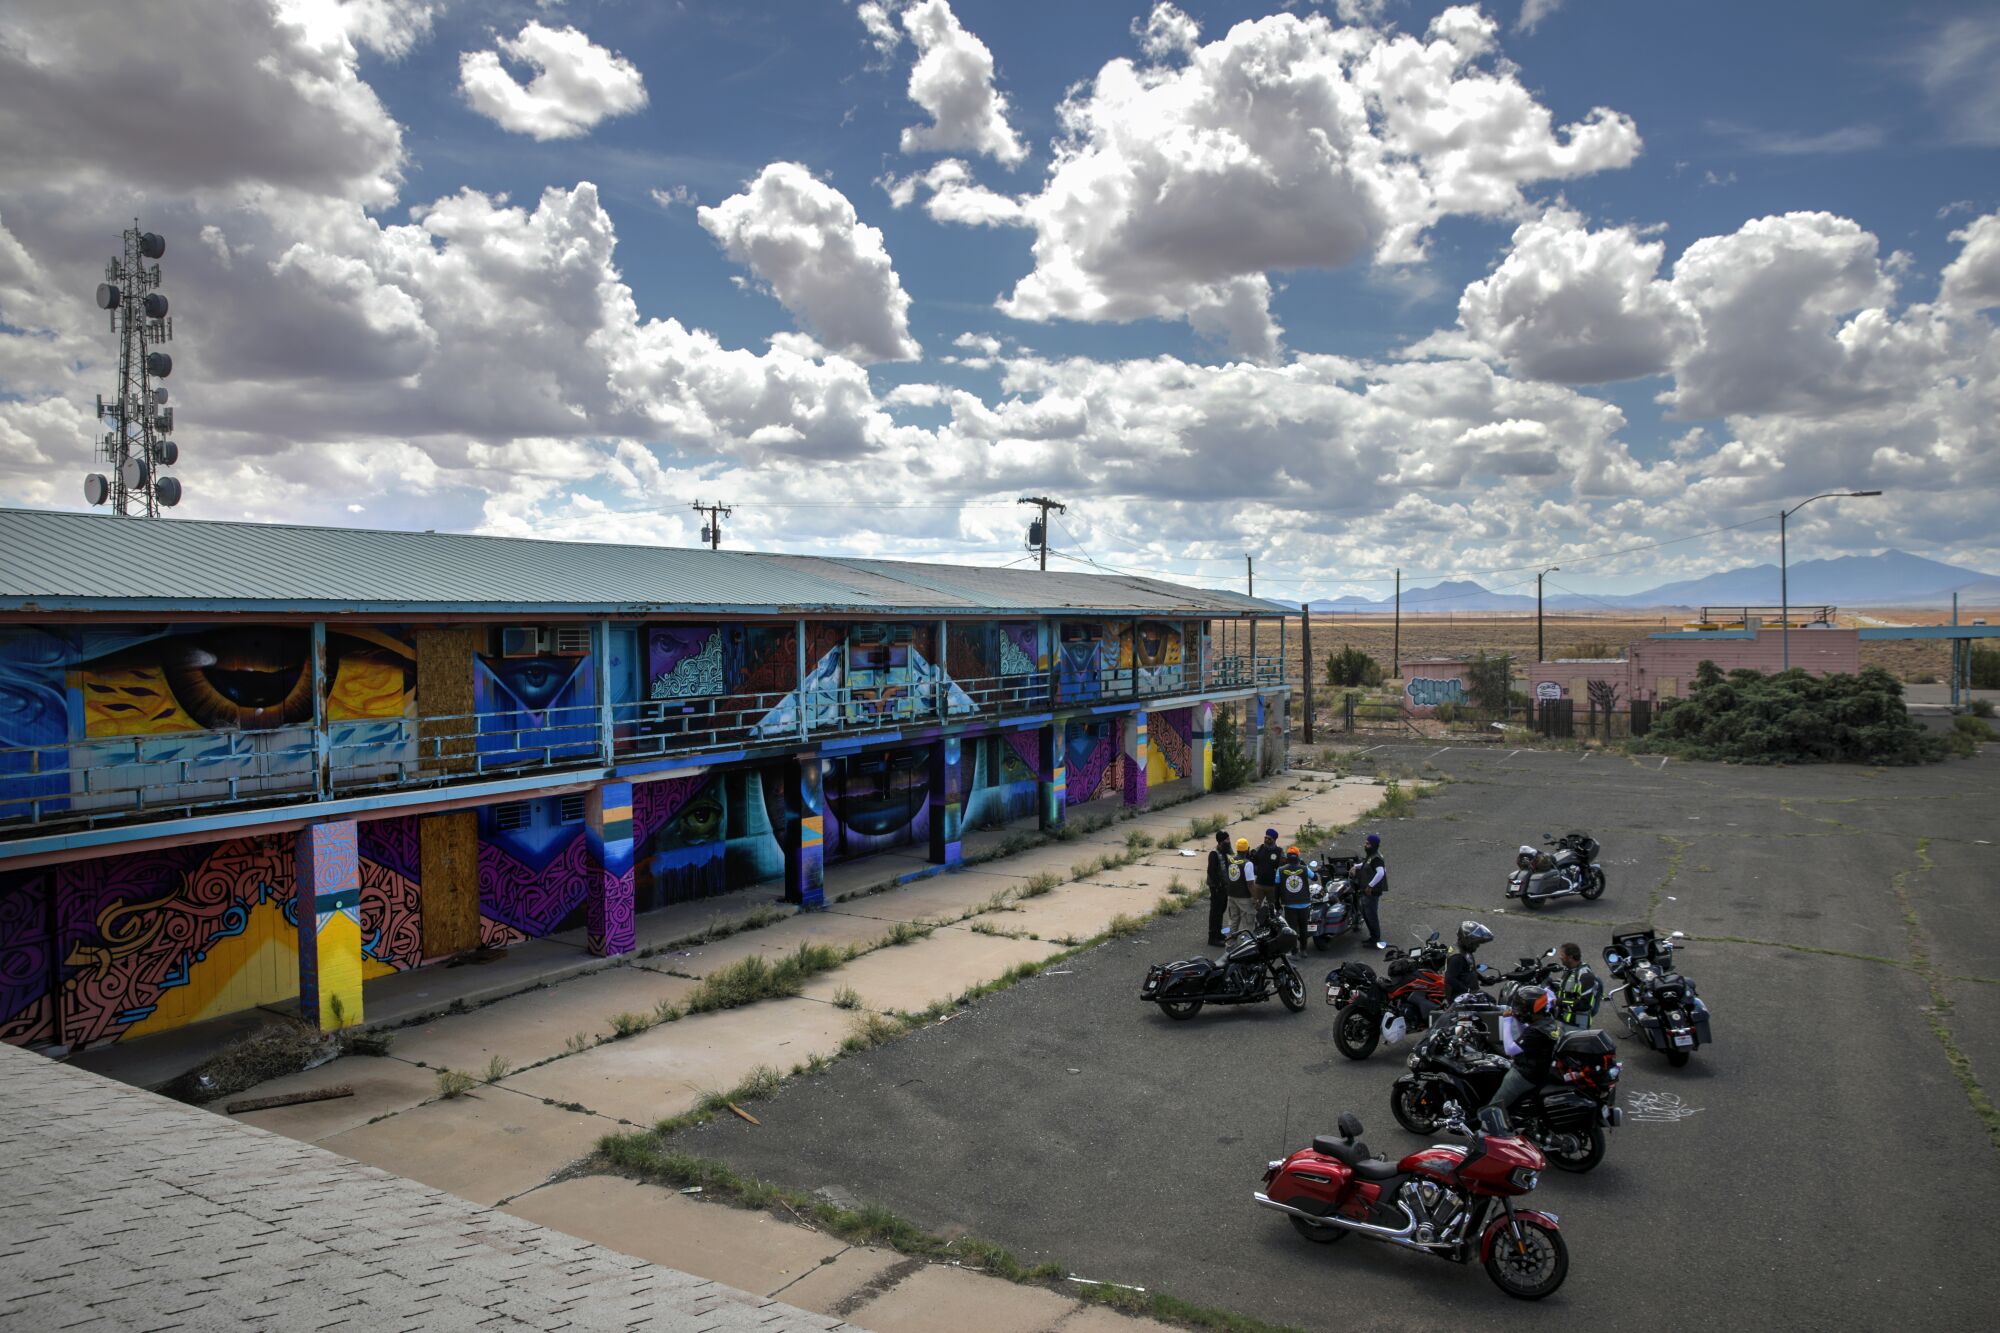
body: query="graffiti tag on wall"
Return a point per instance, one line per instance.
(1426, 692)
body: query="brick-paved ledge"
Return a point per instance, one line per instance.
(120, 1209)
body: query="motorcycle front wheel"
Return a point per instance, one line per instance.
(1181, 1008)
(1407, 1103)
(1589, 1155)
(1355, 1032)
(1291, 988)
(1593, 884)
(1529, 1260)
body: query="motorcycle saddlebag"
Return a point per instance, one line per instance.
(1545, 882)
(1567, 1112)
(1188, 978)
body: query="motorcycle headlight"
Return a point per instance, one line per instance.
(1416, 1061)
(1524, 1177)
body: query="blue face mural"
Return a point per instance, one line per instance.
(531, 705)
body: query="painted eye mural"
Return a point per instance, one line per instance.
(687, 661)
(250, 679)
(679, 852)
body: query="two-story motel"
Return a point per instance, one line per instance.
(243, 763)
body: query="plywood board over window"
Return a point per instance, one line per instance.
(449, 855)
(446, 728)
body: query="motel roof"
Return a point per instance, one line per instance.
(53, 561)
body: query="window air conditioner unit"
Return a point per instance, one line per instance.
(569, 640)
(520, 641)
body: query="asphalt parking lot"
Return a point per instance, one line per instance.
(1821, 1165)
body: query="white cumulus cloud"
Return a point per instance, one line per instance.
(577, 84)
(1288, 143)
(953, 80)
(803, 239)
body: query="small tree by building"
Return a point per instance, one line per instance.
(1232, 762)
(1351, 668)
(1489, 682)
(1603, 695)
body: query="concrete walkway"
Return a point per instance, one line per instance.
(122, 1210)
(562, 1083)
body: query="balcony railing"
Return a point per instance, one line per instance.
(127, 778)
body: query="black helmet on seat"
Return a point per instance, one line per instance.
(1471, 935)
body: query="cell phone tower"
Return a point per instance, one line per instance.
(137, 445)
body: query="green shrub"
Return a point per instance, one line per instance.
(496, 1069)
(1446, 712)
(1982, 708)
(1232, 762)
(1978, 728)
(1985, 668)
(750, 979)
(1793, 718)
(452, 1083)
(1351, 668)
(1489, 681)
(629, 1024)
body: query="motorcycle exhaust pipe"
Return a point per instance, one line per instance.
(1403, 1235)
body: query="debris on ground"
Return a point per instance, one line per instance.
(326, 1094)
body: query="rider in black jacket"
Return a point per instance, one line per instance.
(1218, 888)
(1531, 1039)
(1461, 970)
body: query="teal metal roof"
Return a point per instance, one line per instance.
(56, 561)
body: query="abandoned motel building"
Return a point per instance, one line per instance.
(253, 766)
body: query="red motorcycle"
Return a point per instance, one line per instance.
(1444, 1200)
(1376, 1010)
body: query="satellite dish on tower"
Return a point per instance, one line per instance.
(159, 364)
(132, 443)
(108, 296)
(96, 489)
(170, 454)
(156, 305)
(168, 491)
(159, 395)
(152, 244)
(134, 474)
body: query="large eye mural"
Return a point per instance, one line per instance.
(680, 851)
(250, 679)
(878, 800)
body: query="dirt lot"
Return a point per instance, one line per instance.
(1570, 635)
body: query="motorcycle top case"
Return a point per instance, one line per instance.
(1190, 977)
(1586, 1041)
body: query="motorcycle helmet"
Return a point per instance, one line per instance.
(1528, 1001)
(1471, 935)
(1525, 858)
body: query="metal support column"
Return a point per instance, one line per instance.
(322, 738)
(802, 677)
(606, 730)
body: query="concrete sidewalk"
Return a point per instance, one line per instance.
(122, 1210)
(565, 1083)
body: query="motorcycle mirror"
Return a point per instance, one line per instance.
(1677, 935)
(1551, 953)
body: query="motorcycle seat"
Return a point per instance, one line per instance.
(1375, 1169)
(1355, 1156)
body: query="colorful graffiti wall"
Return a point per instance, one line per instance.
(700, 836)
(203, 703)
(1002, 779)
(1156, 652)
(533, 870)
(1093, 762)
(877, 800)
(128, 945)
(1170, 754)
(534, 704)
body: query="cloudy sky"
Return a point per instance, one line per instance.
(1349, 285)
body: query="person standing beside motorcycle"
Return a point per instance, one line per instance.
(1578, 990)
(1528, 1034)
(1239, 874)
(1461, 970)
(1265, 861)
(1218, 887)
(1295, 894)
(1371, 881)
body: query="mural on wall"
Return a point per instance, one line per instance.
(1093, 761)
(991, 652)
(191, 694)
(699, 836)
(877, 800)
(153, 940)
(533, 874)
(1080, 657)
(686, 661)
(868, 675)
(1156, 652)
(1001, 784)
(1170, 756)
(535, 704)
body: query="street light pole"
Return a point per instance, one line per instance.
(1784, 569)
(1540, 654)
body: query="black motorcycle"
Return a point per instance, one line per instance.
(1659, 1005)
(1251, 969)
(1454, 1068)
(1570, 871)
(1336, 907)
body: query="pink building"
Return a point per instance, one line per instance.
(1430, 681)
(1662, 666)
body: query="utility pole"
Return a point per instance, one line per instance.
(1038, 530)
(1541, 655)
(1396, 653)
(1306, 647)
(711, 531)
(1784, 570)
(1250, 581)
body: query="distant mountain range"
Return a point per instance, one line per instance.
(1894, 578)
